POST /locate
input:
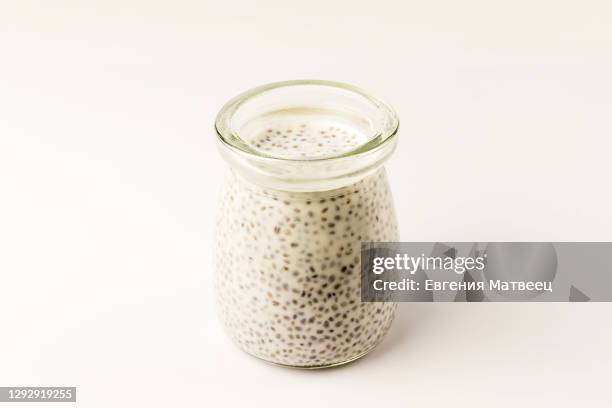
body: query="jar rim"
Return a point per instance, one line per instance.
(229, 138)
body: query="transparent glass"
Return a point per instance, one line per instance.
(306, 187)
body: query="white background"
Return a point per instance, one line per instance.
(109, 177)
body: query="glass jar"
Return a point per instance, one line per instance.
(306, 187)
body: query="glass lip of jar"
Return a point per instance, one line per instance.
(231, 140)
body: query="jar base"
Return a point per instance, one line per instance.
(315, 367)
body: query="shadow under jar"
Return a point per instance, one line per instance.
(306, 187)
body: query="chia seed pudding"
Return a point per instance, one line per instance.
(288, 262)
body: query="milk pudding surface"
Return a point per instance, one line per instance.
(305, 134)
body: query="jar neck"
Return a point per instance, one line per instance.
(304, 175)
(257, 191)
